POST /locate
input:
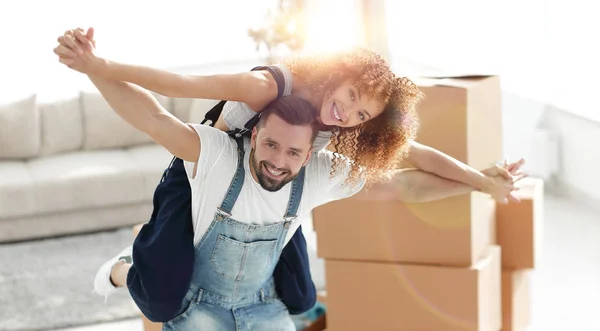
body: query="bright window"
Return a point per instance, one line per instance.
(543, 49)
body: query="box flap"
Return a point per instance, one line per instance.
(449, 77)
(448, 80)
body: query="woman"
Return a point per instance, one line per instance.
(365, 111)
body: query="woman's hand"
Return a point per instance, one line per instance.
(77, 50)
(500, 181)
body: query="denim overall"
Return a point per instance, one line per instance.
(232, 285)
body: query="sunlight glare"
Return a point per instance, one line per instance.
(334, 25)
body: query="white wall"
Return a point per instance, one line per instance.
(578, 172)
(520, 118)
(579, 167)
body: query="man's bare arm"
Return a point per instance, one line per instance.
(140, 109)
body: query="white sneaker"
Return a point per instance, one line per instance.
(102, 284)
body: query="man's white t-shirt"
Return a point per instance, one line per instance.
(217, 165)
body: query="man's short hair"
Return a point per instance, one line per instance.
(293, 110)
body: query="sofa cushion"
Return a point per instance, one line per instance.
(151, 160)
(62, 124)
(84, 179)
(103, 128)
(16, 190)
(19, 128)
(74, 222)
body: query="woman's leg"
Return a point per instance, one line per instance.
(107, 280)
(293, 280)
(163, 251)
(118, 274)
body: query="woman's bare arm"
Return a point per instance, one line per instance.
(255, 88)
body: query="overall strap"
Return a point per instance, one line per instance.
(213, 114)
(237, 182)
(295, 195)
(247, 130)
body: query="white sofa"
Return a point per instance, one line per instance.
(72, 165)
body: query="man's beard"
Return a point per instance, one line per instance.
(268, 183)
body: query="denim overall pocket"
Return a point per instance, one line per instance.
(238, 260)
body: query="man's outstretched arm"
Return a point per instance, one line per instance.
(140, 109)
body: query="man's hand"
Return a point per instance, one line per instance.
(77, 50)
(500, 181)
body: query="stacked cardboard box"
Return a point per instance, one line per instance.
(392, 265)
(475, 139)
(395, 266)
(519, 234)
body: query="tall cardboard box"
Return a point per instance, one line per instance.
(454, 232)
(409, 297)
(461, 116)
(519, 226)
(516, 299)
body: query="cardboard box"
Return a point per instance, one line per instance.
(519, 226)
(405, 297)
(461, 116)
(516, 299)
(455, 232)
(317, 325)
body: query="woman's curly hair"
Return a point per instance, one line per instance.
(379, 144)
